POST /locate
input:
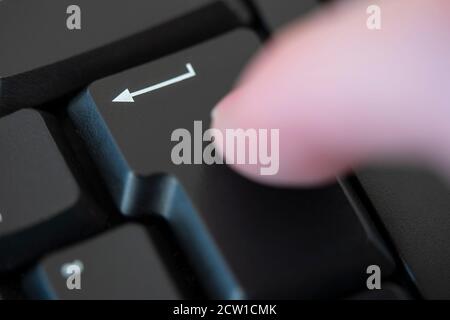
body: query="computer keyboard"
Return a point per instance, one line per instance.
(135, 268)
(45, 60)
(88, 186)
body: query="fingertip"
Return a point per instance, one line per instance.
(337, 101)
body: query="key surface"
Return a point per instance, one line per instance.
(414, 206)
(41, 59)
(41, 204)
(388, 291)
(276, 13)
(245, 240)
(123, 263)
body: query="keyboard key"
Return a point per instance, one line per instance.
(121, 264)
(414, 206)
(41, 204)
(42, 59)
(276, 14)
(388, 291)
(141, 130)
(245, 240)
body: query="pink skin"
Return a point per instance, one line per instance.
(342, 95)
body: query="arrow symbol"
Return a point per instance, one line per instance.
(127, 96)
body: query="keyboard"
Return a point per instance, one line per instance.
(93, 207)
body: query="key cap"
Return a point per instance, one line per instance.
(388, 291)
(121, 264)
(414, 206)
(245, 240)
(42, 59)
(41, 204)
(276, 14)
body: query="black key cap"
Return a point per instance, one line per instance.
(245, 240)
(414, 206)
(275, 13)
(41, 204)
(388, 291)
(215, 64)
(42, 59)
(121, 264)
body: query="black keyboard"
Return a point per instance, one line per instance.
(92, 207)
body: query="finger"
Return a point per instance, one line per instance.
(341, 94)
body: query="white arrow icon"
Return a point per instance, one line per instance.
(127, 96)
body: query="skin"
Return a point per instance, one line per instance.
(343, 96)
